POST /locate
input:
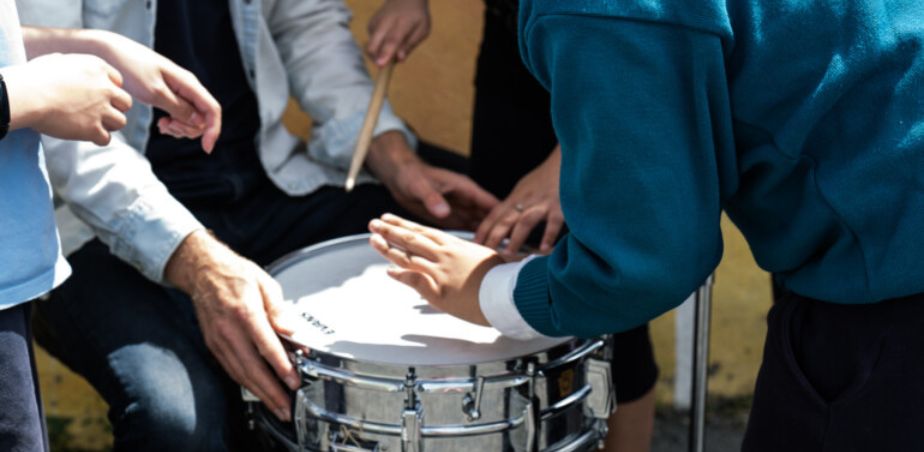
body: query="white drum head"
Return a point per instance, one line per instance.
(354, 310)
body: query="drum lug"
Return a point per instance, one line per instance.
(532, 410)
(601, 402)
(412, 416)
(300, 420)
(471, 403)
(411, 422)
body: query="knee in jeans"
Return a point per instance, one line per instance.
(170, 404)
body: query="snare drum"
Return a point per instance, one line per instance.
(387, 372)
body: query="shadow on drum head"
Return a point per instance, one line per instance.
(354, 310)
(427, 309)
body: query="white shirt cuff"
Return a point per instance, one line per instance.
(496, 299)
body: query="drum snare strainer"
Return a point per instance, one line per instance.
(387, 372)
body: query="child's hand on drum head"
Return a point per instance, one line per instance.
(445, 270)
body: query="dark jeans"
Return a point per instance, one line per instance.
(511, 135)
(840, 378)
(22, 423)
(139, 344)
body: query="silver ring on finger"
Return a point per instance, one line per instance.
(519, 207)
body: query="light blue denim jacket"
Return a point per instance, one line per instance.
(301, 48)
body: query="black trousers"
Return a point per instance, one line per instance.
(840, 378)
(512, 134)
(22, 423)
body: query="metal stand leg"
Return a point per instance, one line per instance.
(702, 310)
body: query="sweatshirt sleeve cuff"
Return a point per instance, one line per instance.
(531, 296)
(495, 296)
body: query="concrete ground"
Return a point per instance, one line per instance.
(671, 436)
(724, 431)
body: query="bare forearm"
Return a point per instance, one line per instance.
(387, 153)
(191, 257)
(42, 41)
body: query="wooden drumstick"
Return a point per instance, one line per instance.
(372, 117)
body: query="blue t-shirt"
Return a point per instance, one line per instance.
(30, 253)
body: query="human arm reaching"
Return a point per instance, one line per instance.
(532, 201)
(147, 75)
(75, 97)
(639, 188)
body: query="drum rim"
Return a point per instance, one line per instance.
(294, 257)
(559, 355)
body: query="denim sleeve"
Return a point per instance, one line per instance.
(327, 75)
(51, 13)
(333, 141)
(637, 108)
(113, 189)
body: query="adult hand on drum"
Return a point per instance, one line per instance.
(445, 198)
(240, 311)
(533, 199)
(396, 28)
(445, 270)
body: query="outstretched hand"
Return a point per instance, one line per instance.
(447, 271)
(134, 68)
(155, 80)
(445, 198)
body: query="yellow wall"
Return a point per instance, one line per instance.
(433, 91)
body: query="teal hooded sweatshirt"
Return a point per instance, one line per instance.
(802, 119)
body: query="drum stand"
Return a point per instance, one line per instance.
(702, 309)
